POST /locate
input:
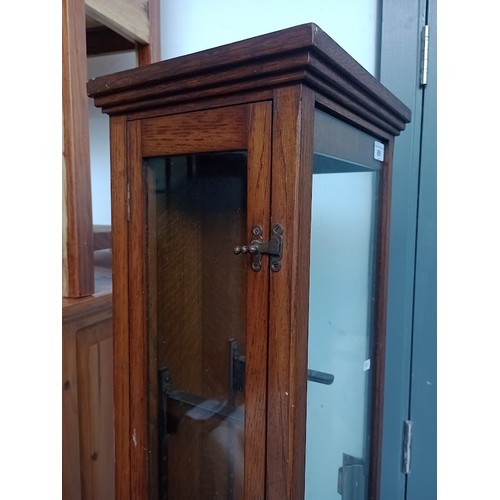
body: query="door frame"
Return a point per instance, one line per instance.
(411, 325)
(245, 126)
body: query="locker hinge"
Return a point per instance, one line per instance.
(407, 437)
(424, 55)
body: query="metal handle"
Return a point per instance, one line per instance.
(320, 377)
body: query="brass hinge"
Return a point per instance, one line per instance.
(424, 57)
(407, 437)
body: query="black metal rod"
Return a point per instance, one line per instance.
(164, 389)
(320, 377)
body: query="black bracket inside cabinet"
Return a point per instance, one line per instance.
(236, 371)
(320, 377)
(175, 404)
(351, 478)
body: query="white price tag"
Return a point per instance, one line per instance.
(366, 365)
(378, 151)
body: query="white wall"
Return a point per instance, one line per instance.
(192, 25)
(99, 136)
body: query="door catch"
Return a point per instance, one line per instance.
(259, 247)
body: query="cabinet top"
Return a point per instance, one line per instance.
(301, 54)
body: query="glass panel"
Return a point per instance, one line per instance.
(99, 149)
(197, 298)
(343, 245)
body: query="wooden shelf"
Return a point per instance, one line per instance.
(102, 40)
(129, 18)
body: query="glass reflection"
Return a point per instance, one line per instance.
(342, 275)
(197, 292)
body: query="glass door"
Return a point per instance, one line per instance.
(343, 277)
(207, 176)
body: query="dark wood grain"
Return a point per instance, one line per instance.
(235, 76)
(214, 58)
(121, 373)
(379, 342)
(258, 213)
(102, 40)
(300, 54)
(289, 293)
(177, 133)
(246, 97)
(138, 340)
(78, 277)
(206, 95)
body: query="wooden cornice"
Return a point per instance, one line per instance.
(302, 54)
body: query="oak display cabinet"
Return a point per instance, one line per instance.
(250, 201)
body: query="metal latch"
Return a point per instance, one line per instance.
(258, 247)
(351, 479)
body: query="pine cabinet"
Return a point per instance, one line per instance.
(250, 200)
